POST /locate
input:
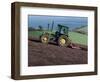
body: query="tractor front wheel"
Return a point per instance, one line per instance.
(63, 40)
(45, 38)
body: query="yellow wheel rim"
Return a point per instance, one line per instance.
(62, 41)
(44, 39)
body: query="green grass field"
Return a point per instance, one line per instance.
(78, 38)
(75, 37)
(35, 33)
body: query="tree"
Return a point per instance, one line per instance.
(40, 28)
(31, 29)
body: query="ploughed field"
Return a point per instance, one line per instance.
(40, 54)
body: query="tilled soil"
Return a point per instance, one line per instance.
(40, 54)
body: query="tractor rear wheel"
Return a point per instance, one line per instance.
(63, 41)
(45, 38)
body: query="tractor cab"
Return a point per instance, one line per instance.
(63, 29)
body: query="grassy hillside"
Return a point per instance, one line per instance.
(74, 36)
(82, 30)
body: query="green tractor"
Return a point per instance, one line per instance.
(60, 36)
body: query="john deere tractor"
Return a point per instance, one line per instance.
(60, 36)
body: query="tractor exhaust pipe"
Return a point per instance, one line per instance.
(48, 26)
(52, 25)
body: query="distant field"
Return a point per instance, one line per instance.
(82, 30)
(75, 37)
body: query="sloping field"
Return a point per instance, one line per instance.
(51, 54)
